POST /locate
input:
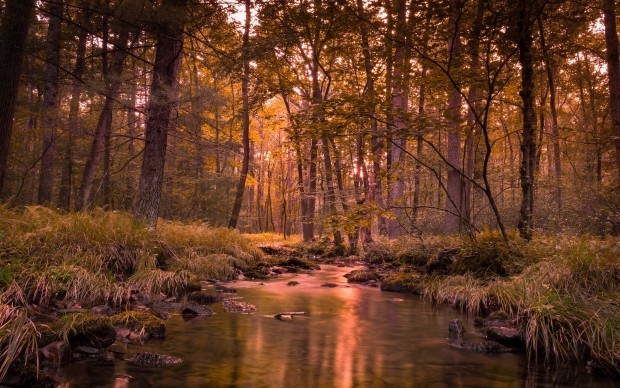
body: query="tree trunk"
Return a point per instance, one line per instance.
(473, 96)
(330, 194)
(66, 179)
(234, 216)
(555, 131)
(14, 26)
(50, 104)
(528, 141)
(397, 122)
(375, 189)
(453, 219)
(161, 104)
(613, 72)
(86, 195)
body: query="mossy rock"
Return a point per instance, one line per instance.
(403, 282)
(203, 297)
(138, 321)
(82, 329)
(297, 262)
(363, 276)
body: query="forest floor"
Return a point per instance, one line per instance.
(72, 284)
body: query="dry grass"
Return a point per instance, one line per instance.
(565, 294)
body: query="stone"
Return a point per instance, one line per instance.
(142, 322)
(87, 350)
(292, 283)
(57, 352)
(192, 309)
(483, 346)
(92, 331)
(231, 306)
(329, 285)
(203, 297)
(509, 336)
(456, 329)
(148, 359)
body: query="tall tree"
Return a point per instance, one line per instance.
(245, 96)
(455, 181)
(50, 103)
(168, 49)
(66, 180)
(528, 139)
(613, 72)
(399, 102)
(14, 25)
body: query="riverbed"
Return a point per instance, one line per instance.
(350, 336)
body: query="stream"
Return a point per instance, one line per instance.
(351, 336)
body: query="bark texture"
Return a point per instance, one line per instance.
(14, 26)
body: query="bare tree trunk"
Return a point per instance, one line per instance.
(613, 71)
(50, 104)
(232, 223)
(161, 104)
(555, 131)
(397, 124)
(453, 220)
(330, 193)
(86, 196)
(66, 179)
(14, 26)
(528, 141)
(375, 190)
(473, 95)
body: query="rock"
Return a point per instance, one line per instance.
(87, 350)
(298, 263)
(154, 359)
(231, 306)
(203, 297)
(456, 329)
(57, 352)
(91, 331)
(192, 309)
(122, 332)
(363, 276)
(482, 346)
(143, 322)
(146, 298)
(329, 285)
(224, 289)
(292, 283)
(102, 310)
(509, 336)
(443, 262)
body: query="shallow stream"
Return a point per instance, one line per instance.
(351, 336)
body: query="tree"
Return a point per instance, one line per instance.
(168, 52)
(613, 71)
(528, 141)
(454, 193)
(50, 104)
(14, 26)
(234, 216)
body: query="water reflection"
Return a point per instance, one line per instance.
(350, 337)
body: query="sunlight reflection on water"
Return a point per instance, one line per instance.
(351, 336)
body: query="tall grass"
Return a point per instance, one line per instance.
(564, 293)
(97, 257)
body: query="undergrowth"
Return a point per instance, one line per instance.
(86, 259)
(563, 290)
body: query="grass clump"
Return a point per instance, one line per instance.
(140, 322)
(563, 293)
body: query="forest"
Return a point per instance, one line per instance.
(382, 130)
(317, 118)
